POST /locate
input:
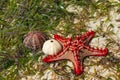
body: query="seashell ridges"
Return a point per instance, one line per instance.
(34, 40)
(51, 47)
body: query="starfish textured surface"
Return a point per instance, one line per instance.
(75, 50)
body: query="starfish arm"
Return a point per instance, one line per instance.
(87, 37)
(89, 51)
(52, 58)
(78, 66)
(60, 38)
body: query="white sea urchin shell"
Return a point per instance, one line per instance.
(51, 47)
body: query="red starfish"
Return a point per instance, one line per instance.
(76, 50)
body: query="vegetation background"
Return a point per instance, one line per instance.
(66, 17)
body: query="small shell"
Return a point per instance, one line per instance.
(51, 47)
(34, 40)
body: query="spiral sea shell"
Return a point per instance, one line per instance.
(34, 40)
(51, 47)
